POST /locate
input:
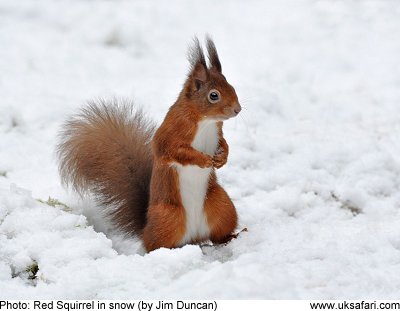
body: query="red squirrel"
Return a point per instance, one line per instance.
(158, 185)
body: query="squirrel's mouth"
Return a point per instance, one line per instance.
(232, 112)
(231, 115)
(228, 113)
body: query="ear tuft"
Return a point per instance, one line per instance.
(198, 66)
(196, 55)
(213, 55)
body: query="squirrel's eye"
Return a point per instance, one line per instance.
(213, 96)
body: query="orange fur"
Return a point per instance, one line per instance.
(221, 213)
(105, 152)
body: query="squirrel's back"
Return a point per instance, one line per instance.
(105, 150)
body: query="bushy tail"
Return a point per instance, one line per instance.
(105, 150)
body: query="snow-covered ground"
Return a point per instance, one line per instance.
(314, 167)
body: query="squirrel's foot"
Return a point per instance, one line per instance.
(225, 240)
(235, 235)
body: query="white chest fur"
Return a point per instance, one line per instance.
(193, 183)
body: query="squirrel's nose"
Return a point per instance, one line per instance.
(237, 108)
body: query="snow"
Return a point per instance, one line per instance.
(313, 169)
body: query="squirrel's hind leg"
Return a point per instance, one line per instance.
(221, 214)
(165, 226)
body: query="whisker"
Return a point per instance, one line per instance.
(245, 121)
(248, 99)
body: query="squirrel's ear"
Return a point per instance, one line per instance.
(199, 75)
(213, 55)
(198, 70)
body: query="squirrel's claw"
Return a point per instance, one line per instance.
(220, 160)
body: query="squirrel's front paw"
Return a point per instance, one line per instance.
(208, 162)
(220, 160)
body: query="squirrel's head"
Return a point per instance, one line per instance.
(206, 87)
